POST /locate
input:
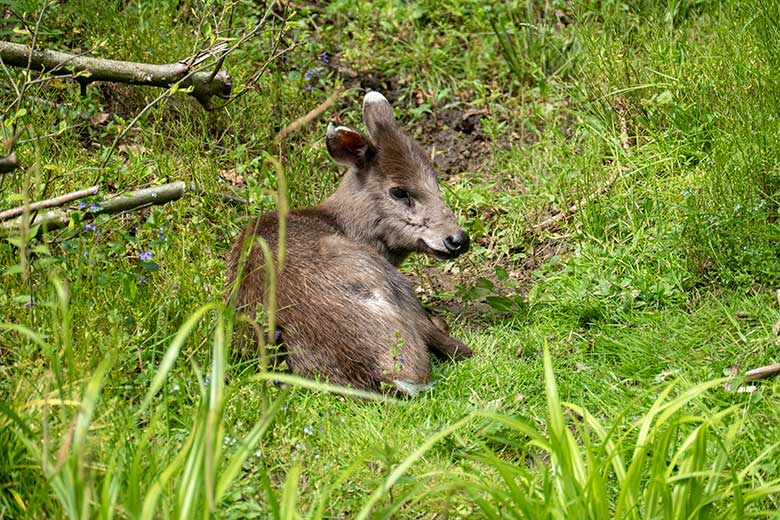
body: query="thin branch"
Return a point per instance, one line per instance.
(250, 83)
(28, 65)
(274, 55)
(235, 200)
(574, 207)
(312, 115)
(27, 83)
(98, 69)
(762, 372)
(134, 200)
(53, 134)
(132, 123)
(50, 203)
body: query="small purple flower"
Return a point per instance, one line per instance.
(145, 256)
(142, 280)
(29, 303)
(286, 407)
(324, 57)
(206, 382)
(94, 207)
(161, 235)
(310, 73)
(307, 87)
(91, 227)
(82, 205)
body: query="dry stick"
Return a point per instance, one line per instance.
(134, 200)
(311, 116)
(254, 78)
(50, 203)
(27, 66)
(30, 82)
(9, 163)
(129, 126)
(762, 372)
(98, 69)
(574, 207)
(229, 198)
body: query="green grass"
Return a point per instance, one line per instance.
(119, 396)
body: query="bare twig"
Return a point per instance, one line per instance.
(134, 200)
(132, 123)
(308, 118)
(275, 54)
(574, 207)
(98, 69)
(50, 203)
(9, 163)
(235, 200)
(762, 372)
(28, 64)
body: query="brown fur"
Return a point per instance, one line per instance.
(344, 310)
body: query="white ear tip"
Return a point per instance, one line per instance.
(333, 129)
(374, 97)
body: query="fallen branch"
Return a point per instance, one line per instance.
(50, 203)
(311, 116)
(235, 200)
(134, 200)
(204, 84)
(762, 372)
(9, 163)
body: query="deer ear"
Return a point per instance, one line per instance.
(346, 146)
(377, 115)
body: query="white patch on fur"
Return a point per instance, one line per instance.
(411, 388)
(374, 97)
(377, 303)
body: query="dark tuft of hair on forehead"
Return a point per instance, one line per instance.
(402, 159)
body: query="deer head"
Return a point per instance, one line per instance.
(390, 198)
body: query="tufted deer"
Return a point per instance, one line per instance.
(345, 311)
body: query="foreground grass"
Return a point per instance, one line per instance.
(668, 112)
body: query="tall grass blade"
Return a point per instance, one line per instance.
(407, 463)
(287, 509)
(247, 447)
(172, 353)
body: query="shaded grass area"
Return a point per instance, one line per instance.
(662, 117)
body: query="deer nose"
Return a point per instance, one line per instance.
(457, 243)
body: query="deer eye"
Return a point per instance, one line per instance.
(401, 195)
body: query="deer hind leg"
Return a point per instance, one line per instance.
(441, 343)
